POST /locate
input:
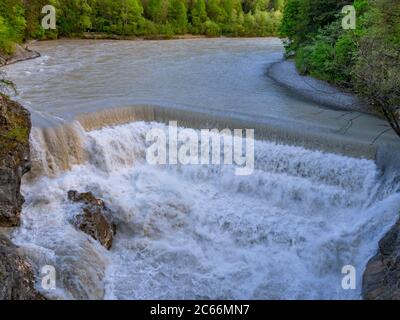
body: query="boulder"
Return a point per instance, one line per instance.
(95, 219)
(381, 279)
(17, 280)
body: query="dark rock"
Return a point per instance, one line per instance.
(17, 281)
(87, 198)
(14, 159)
(96, 219)
(381, 279)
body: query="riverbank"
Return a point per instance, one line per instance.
(22, 53)
(110, 36)
(285, 73)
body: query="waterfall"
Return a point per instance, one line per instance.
(199, 231)
(56, 149)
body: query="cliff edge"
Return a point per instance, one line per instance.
(15, 127)
(381, 279)
(17, 279)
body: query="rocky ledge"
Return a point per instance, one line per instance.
(95, 219)
(21, 53)
(17, 279)
(15, 127)
(381, 280)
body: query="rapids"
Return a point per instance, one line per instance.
(320, 197)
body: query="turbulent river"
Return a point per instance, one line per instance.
(321, 195)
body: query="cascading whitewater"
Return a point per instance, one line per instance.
(197, 231)
(58, 148)
(200, 231)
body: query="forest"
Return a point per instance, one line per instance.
(365, 60)
(21, 19)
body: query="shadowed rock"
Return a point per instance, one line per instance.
(17, 281)
(381, 280)
(15, 126)
(95, 219)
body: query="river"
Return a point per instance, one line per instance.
(320, 198)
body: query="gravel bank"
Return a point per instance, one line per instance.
(285, 73)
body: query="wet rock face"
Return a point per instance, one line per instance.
(381, 280)
(17, 281)
(14, 159)
(95, 219)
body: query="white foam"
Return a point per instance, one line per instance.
(202, 232)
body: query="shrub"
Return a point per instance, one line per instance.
(212, 29)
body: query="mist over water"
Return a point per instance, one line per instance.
(285, 232)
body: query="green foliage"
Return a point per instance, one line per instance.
(316, 59)
(21, 19)
(366, 59)
(377, 69)
(330, 55)
(73, 16)
(323, 48)
(157, 11)
(212, 29)
(20, 134)
(329, 52)
(303, 19)
(279, 5)
(177, 15)
(12, 24)
(198, 15)
(293, 23)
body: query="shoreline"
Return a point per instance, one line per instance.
(186, 36)
(285, 73)
(106, 36)
(22, 53)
